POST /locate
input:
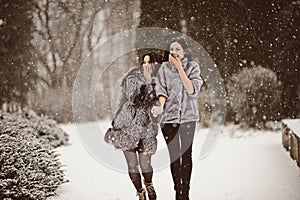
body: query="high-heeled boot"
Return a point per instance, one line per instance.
(178, 190)
(150, 190)
(185, 191)
(141, 194)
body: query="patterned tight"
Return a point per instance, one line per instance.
(137, 158)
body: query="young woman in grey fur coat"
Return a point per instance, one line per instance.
(178, 84)
(133, 128)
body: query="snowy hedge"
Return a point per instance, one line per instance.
(29, 167)
(46, 128)
(254, 95)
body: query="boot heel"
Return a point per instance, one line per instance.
(150, 190)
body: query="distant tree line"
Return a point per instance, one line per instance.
(42, 43)
(16, 73)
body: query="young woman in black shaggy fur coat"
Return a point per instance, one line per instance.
(133, 128)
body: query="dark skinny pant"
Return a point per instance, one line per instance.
(179, 138)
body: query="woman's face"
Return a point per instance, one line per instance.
(176, 50)
(146, 59)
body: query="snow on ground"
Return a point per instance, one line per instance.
(251, 165)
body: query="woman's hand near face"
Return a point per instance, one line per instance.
(187, 83)
(175, 61)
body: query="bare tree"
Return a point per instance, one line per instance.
(66, 32)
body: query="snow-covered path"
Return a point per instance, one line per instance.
(243, 168)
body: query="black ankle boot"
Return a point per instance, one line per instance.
(178, 195)
(150, 190)
(185, 196)
(185, 191)
(178, 190)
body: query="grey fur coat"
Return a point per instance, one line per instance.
(133, 122)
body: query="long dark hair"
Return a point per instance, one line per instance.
(184, 46)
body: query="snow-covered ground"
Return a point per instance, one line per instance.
(252, 165)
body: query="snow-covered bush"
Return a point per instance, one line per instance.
(29, 167)
(254, 94)
(47, 128)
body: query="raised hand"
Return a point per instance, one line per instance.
(148, 69)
